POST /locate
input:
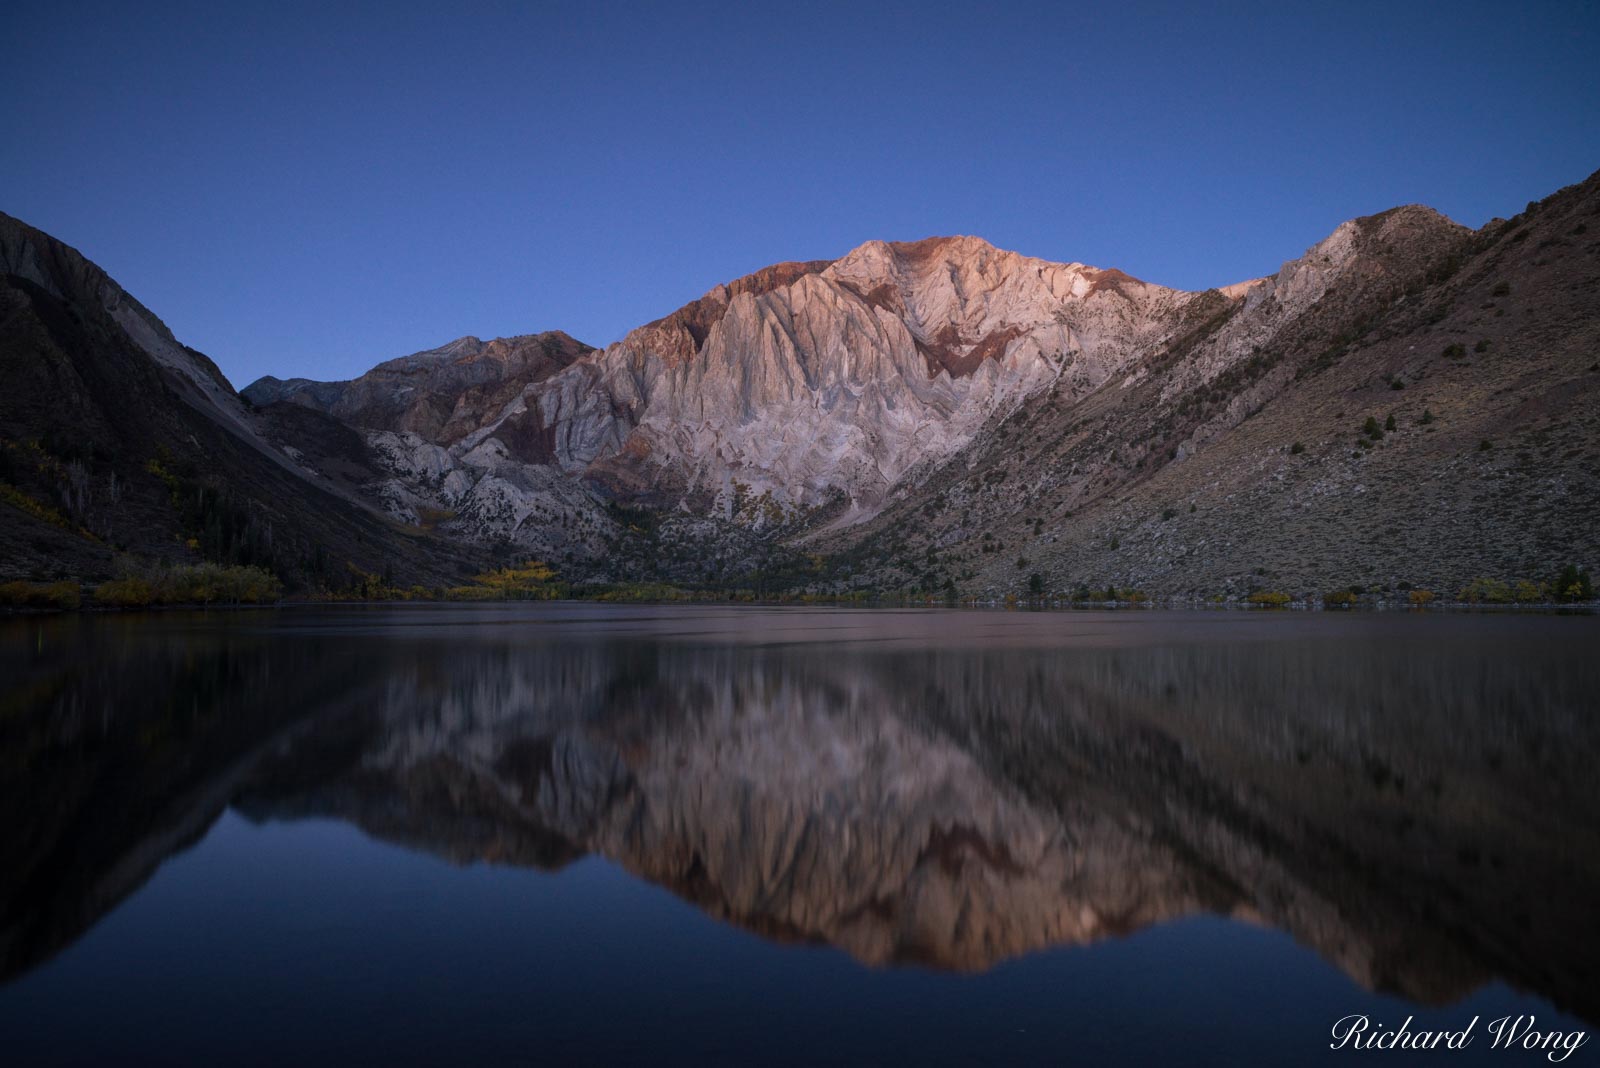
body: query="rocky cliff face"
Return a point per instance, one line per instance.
(804, 388)
(847, 380)
(454, 444)
(34, 258)
(440, 395)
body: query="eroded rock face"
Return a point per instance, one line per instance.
(799, 386)
(442, 394)
(843, 380)
(807, 394)
(459, 447)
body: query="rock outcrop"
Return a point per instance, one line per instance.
(847, 380)
(442, 394)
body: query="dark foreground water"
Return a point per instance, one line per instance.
(587, 835)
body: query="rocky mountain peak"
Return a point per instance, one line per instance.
(941, 378)
(441, 393)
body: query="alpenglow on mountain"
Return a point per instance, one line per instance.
(1409, 402)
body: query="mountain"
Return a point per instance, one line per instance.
(121, 444)
(435, 393)
(1409, 403)
(947, 415)
(845, 381)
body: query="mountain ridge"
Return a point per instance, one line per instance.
(915, 411)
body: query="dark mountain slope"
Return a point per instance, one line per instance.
(115, 439)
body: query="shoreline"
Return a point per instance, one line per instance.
(1376, 606)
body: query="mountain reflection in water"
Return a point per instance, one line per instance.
(1413, 798)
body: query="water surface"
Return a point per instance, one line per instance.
(588, 834)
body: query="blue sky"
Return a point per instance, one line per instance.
(301, 191)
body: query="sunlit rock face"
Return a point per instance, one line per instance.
(807, 397)
(800, 386)
(811, 382)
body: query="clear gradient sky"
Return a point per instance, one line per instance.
(302, 191)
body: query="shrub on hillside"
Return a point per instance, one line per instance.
(1486, 591)
(213, 584)
(471, 593)
(531, 581)
(191, 584)
(125, 593)
(53, 596)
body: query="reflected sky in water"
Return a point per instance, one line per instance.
(703, 835)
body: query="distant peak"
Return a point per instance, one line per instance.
(932, 246)
(922, 250)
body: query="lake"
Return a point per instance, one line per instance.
(586, 834)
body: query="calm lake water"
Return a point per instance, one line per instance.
(578, 834)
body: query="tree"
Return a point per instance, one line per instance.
(1573, 584)
(1036, 584)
